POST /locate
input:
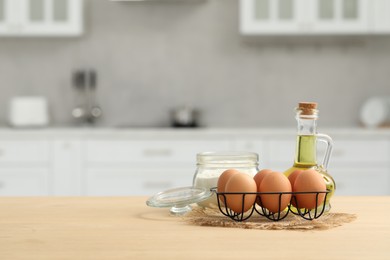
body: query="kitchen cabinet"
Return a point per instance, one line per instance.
(359, 165)
(114, 162)
(24, 167)
(270, 16)
(294, 17)
(339, 16)
(24, 181)
(362, 181)
(31, 152)
(136, 181)
(380, 18)
(41, 17)
(143, 166)
(67, 166)
(145, 152)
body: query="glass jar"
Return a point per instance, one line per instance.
(210, 165)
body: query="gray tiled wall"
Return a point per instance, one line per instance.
(152, 57)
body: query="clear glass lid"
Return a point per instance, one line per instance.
(179, 199)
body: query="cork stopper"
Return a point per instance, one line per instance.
(307, 108)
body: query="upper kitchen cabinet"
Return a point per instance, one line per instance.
(271, 16)
(338, 16)
(314, 17)
(41, 17)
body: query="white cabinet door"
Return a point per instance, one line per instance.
(51, 17)
(10, 17)
(296, 17)
(161, 151)
(141, 181)
(362, 181)
(3, 6)
(359, 152)
(41, 17)
(144, 166)
(272, 16)
(24, 182)
(26, 152)
(339, 16)
(24, 166)
(379, 21)
(67, 167)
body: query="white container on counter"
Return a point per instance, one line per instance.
(375, 112)
(28, 111)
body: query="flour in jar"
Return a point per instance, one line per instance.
(209, 179)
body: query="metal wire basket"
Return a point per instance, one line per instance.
(308, 214)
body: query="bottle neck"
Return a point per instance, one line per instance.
(307, 126)
(306, 147)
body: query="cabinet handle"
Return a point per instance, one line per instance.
(2, 152)
(2, 184)
(157, 184)
(158, 152)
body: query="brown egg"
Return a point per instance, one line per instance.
(292, 177)
(275, 182)
(309, 181)
(259, 178)
(240, 182)
(222, 180)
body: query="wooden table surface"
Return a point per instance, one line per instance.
(125, 228)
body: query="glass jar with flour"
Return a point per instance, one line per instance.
(210, 165)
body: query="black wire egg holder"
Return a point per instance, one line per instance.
(308, 214)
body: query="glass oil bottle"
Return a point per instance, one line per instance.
(306, 147)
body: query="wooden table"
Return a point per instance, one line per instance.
(125, 228)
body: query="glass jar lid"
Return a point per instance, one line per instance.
(179, 199)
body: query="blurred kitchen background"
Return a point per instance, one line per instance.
(129, 70)
(153, 56)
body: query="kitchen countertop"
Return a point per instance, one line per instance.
(125, 228)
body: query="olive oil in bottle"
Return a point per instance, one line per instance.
(306, 151)
(305, 154)
(306, 146)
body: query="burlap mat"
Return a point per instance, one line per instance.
(212, 217)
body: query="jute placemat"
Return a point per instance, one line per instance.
(212, 217)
